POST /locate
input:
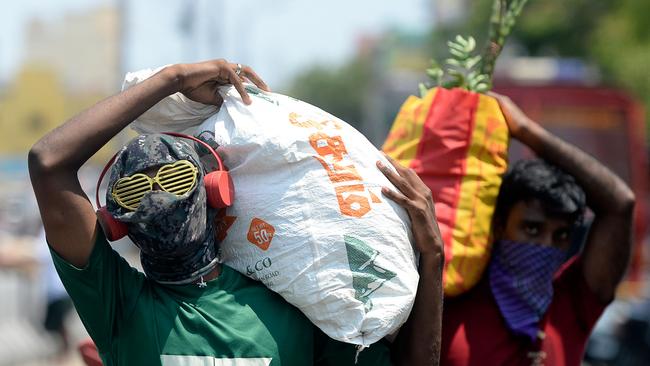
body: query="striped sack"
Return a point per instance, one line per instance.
(457, 142)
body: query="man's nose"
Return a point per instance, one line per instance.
(546, 239)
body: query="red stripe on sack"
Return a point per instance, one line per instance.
(440, 159)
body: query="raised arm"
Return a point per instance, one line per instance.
(67, 214)
(607, 250)
(418, 342)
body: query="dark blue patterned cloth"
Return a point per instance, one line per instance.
(521, 279)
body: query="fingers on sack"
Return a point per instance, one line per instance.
(409, 175)
(239, 85)
(397, 197)
(496, 95)
(396, 178)
(504, 101)
(255, 79)
(395, 163)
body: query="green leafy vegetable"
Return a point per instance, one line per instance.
(466, 70)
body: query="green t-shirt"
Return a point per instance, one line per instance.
(232, 321)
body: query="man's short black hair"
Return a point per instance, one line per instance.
(536, 179)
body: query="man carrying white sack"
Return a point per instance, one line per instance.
(218, 317)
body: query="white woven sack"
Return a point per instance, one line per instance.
(310, 221)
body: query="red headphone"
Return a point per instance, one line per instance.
(218, 187)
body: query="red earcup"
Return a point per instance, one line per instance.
(113, 229)
(89, 353)
(219, 189)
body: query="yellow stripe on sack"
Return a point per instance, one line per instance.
(486, 162)
(404, 137)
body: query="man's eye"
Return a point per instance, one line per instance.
(532, 230)
(562, 235)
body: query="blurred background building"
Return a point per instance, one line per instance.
(579, 67)
(68, 63)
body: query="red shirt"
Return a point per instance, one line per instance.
(474, 332)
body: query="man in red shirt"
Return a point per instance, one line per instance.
(533, 306)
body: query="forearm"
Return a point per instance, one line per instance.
(70, 145)
(606, 192)
(418, 342)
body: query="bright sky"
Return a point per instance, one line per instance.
(277, 38)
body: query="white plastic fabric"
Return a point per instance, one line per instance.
(176, 113)
(309, 219)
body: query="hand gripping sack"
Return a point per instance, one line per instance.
(309, 219)
(457, 142)
(175, 113)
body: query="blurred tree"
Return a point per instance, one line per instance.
(548, 27)
(621, 46)
(339, 91)
(613, 34)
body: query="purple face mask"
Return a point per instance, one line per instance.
(521, 279)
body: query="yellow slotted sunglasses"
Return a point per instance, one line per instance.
(177, 178)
